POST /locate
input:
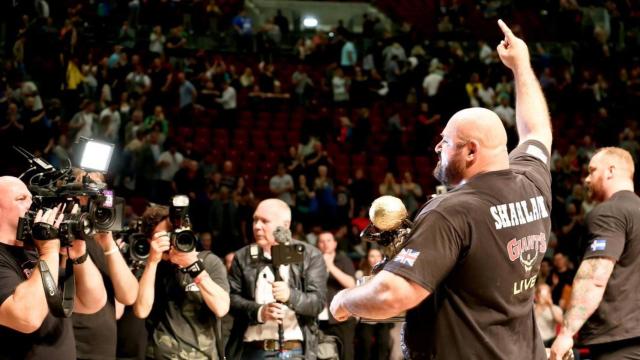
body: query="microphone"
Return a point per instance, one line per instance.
(282, 235)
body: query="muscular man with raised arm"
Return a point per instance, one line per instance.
(604, 297)
(27, 329)
(468, 272)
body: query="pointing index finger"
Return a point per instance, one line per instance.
(505, 29)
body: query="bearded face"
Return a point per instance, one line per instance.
(450, 167)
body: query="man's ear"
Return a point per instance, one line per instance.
(610, 171)
(472, 150)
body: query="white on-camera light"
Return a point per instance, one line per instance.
(96, 156)
(310, 22)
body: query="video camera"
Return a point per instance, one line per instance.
(98, 209)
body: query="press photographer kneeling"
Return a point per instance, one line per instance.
(184, 293)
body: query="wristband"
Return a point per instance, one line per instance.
(112, 251)
(81, 259)
(198, 279)
(194, 269)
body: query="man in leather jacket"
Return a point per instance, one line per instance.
(259, 303)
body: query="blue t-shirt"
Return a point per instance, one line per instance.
(244, 23)
(348, 50)
(186, 94)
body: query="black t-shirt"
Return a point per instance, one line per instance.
(478, 250)
(182, 322)
(96, 334)
(614, 232)
(345, 264)
(54, 339)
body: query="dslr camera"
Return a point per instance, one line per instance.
(98, 209)
(182, 237)
(136, 244)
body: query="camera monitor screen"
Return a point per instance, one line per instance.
(96, 156)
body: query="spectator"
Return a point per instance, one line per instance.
(109, 123)
(374, 340)
(228, 102)
(302, 84)
(281, 185)
(247, 80)
(341, 276)
(82, 123)
(169, 162)
(157, 40)
(243, 26)
(561, 279)
(348, 55)
(188, 94)
(389, 186)
(157, 121)
(506, 113)
(548, 315)
(410, 193)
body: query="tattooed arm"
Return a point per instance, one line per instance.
(588, 289)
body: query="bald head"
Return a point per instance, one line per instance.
(270, 214)
(482, 125)
(9, 181)
(278, 207)
(474, 141)
(15, 200)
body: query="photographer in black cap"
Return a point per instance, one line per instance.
(184, 294)
(27, 328)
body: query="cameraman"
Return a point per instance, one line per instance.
(96, 331)
(301, 295)
(180, 293)
(27, 329)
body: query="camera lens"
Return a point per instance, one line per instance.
(103, 217)
(139, 247)
(184, 241)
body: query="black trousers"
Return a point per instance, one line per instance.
(619, 350)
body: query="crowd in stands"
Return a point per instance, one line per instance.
(327, 126)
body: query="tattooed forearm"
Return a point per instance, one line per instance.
(588, 289)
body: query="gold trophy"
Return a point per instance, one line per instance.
(389, 229)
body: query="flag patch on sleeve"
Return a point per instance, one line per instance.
(407, 256)
(598, 245)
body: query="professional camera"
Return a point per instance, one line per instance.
(136, 247)
(97, 208)
(136, 244)
(182, 238)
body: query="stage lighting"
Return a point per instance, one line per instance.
(310, 22)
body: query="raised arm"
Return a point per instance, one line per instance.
(27, 308)
(532, 114)
(124, 282)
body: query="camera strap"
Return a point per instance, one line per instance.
(60, 305)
